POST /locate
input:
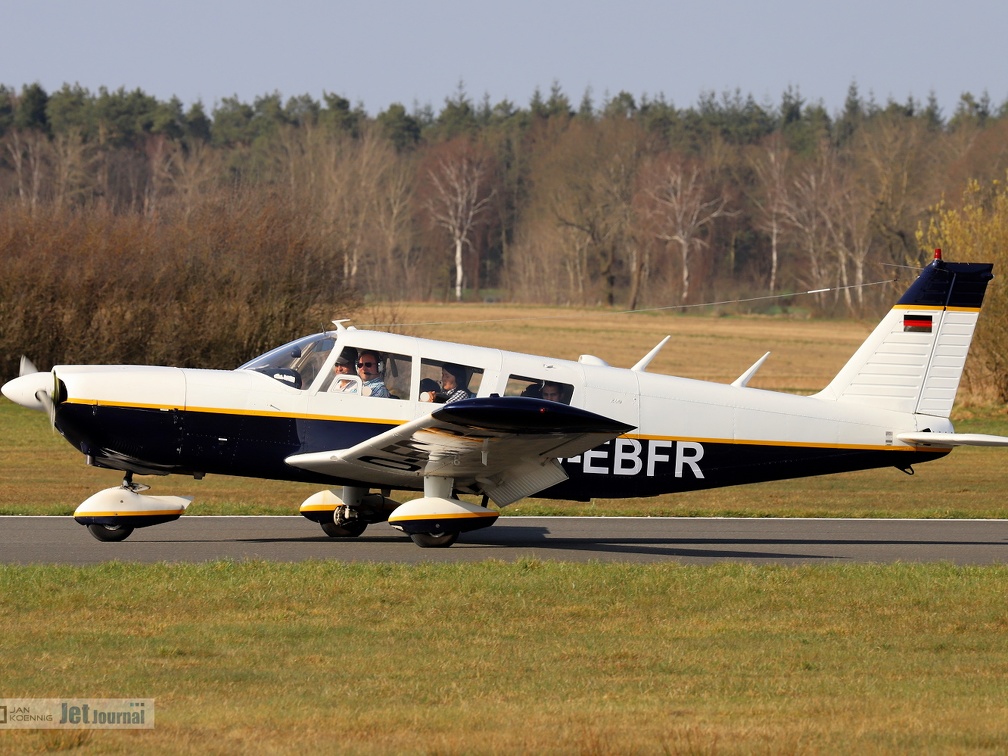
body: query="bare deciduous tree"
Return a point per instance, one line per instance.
(161, 157)
(460, 197)
(807, 213)
(588, 189)
(683, 206)
(848, 221)
(193, 172)
(348, 189)
(27, 149)
(371, 160)
(770, 164)
(73, 163)
(395, 230)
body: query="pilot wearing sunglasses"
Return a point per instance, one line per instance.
(369, 370)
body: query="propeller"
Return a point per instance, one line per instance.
(32, 389)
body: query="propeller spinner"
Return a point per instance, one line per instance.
(31, 389)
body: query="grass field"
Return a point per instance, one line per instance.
(524, 657)
(531, 656)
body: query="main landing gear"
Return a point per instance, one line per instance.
(435, 520)
(347, 515)
(431, 522)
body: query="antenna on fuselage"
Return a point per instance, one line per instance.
(646, 359)
(743, 380)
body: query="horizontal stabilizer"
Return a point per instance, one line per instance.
(952, 439)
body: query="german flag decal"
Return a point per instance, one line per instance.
(917, 323)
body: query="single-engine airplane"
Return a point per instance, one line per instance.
(451, 419)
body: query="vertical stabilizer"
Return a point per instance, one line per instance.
(913, 360)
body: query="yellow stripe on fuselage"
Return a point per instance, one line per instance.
(229, 411)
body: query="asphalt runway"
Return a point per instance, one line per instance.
(60, 540)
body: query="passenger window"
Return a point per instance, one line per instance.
(446, 382)
(397, 373)
(539, 388)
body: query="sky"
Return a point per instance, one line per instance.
(417, 53)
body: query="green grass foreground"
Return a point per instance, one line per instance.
(531, 656)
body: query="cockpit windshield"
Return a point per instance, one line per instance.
(297, 363)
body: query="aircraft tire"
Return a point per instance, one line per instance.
(432, 541)
(110, 533)
(350, 530)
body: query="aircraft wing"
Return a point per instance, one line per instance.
(952, 439)
(507, 447)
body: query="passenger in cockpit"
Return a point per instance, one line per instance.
(551, 392)
(345, 365)
(454, 383)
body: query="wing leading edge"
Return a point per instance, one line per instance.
(505, 447)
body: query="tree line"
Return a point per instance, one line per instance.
(291, 210)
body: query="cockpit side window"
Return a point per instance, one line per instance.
(342, 377)
(368, 372)
(384, 375)
(296, 364)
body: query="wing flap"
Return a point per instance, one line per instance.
(523, 480)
